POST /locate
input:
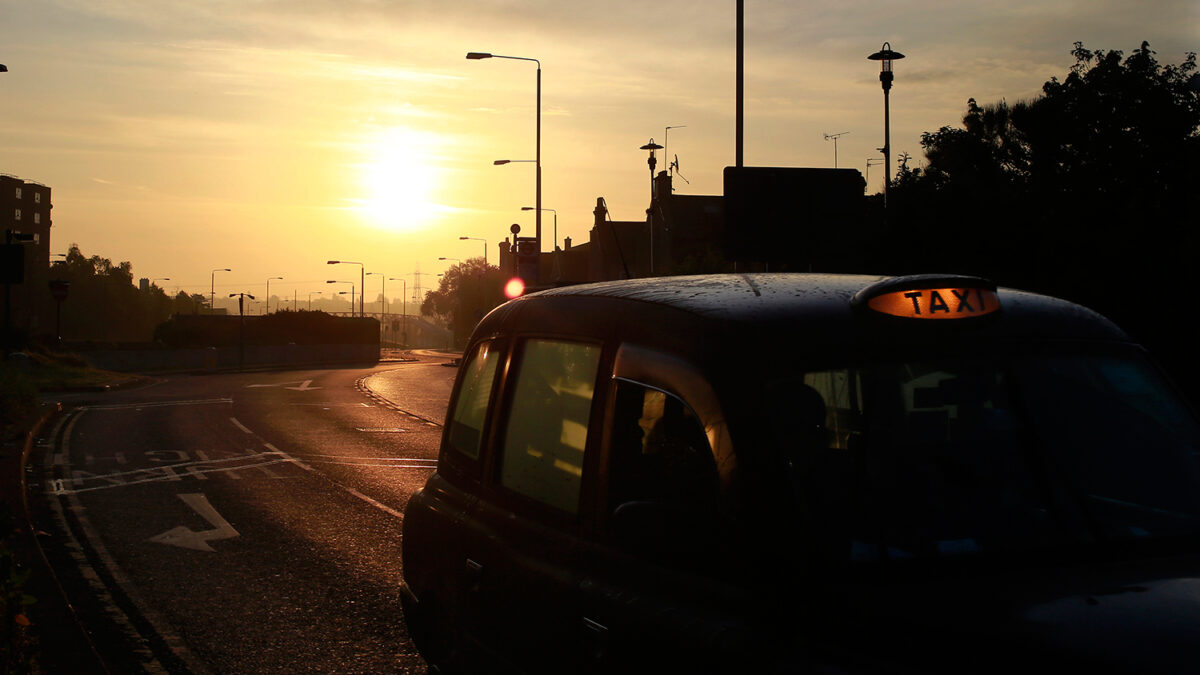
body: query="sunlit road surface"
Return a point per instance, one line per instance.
(243, 523)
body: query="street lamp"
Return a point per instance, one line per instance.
(484, 246)
(885, 56)
(334, 281)
(362, 279)
(871, 161)
(310, 294)
(454, 259)
(475, 56)
(212, 286)
(268, 298)
(531, 208)
(382, 290)
(403, 309)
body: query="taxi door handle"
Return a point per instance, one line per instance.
(597, 639)
(474, 574)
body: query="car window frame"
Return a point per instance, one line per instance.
(676, 377)
(491, 489)
(455, 466)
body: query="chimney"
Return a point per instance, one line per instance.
(600, 212)
(566, 243)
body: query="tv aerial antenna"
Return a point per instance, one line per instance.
(667, 145)
(834, 138)
(674, 166)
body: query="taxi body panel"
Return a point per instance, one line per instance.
(627, 484)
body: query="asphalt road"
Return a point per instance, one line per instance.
(242, 523)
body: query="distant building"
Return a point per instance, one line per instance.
(25, 217)
(770, 218)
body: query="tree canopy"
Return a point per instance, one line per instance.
(105, 305)
(465, 293)
(1088, 191)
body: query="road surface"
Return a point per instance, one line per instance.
(244, 523)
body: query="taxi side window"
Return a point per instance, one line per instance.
(546, 433)
(470, 410)
(659, 452)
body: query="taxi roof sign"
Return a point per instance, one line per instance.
(930, 297)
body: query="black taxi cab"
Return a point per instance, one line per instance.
(804, 472)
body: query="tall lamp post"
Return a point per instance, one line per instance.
(212, 286)
(475, 56)
(871, 161)
(334, 281)
(382, 291)
(403, 309)
(484, 246)
(310, 294)
(533, 208)
(885, 56)
(362, 274)
(268, 298)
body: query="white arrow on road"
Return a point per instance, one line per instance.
(185, 538)
(304, 386)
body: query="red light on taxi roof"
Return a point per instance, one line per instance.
(514, 288)
(936, 303)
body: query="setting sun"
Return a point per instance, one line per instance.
(400, 181)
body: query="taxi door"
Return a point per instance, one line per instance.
(523, 552)
(652, 599)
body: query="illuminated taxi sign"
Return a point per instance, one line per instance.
(931, 297)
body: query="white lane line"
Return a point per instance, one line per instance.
(382, 507)
(160, 404)
(239, 425)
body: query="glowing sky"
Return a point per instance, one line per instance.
(270, 136)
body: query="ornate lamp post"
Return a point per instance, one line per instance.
(885, 56)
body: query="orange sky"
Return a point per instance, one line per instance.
(270, 136)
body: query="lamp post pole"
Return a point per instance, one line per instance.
(268, 298)
(212, 287)
(403, 309)
(382, 290)
(334, 281)
(362, 274)
(885, 56)
(484, 246)
(310, 294)
(474, 56)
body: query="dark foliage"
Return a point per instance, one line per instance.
(104, 305)
(465, 293)
(1086, 192)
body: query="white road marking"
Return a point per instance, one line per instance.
(198, 541)
(382, 507)
(161, 404)
(304, 386)
(239, 425)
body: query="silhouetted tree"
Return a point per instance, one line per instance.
(1087, 191)
(465, 293)
(104, 305)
